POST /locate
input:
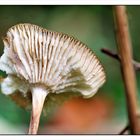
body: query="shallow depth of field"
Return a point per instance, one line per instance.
(104, 113)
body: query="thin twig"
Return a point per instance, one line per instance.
(124, 130)
(117, 57)
(124, 48)
(110, 53)
(136, 64)
(127, 127)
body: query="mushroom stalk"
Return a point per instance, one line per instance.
(38, 97)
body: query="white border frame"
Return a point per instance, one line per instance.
(70, 137)
(69, 2)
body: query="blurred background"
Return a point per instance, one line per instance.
(105, 113)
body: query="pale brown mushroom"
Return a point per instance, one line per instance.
(42, 62)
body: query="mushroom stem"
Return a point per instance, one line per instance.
(38, 97)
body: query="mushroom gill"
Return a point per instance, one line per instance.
(41, 62)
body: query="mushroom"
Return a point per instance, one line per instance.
(46, 62)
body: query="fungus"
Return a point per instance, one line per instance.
(42, 62)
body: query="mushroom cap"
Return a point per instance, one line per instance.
(34, 56)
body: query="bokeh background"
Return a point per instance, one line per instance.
(106, 112)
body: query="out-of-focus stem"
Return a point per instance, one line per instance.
(124, 48)
(117, 57)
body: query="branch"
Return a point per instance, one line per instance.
(110, 53)
(124, 130)
(127, 127)
(117, 57)
(124, 48)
